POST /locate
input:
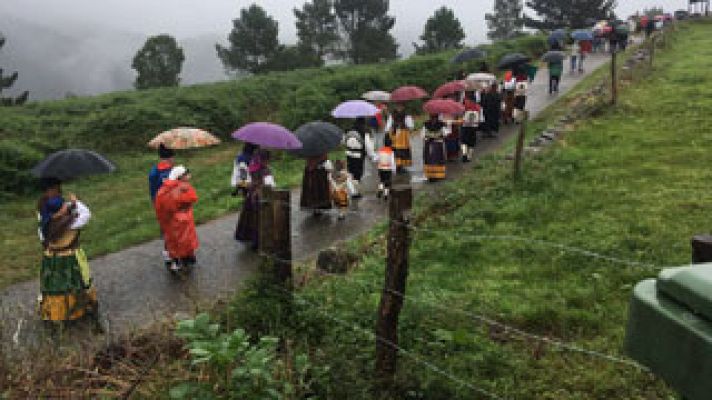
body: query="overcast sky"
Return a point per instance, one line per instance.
(186, 18)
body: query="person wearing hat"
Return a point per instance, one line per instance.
(174, 209)
(66, 288)
(158, 174)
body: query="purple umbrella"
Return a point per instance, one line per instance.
(268, 136)
(354, 109)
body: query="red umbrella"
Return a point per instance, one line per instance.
(450, 88)
(407, 93)
(440, 106)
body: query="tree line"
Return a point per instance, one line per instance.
(355, 31)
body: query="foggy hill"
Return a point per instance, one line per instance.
(87, 60)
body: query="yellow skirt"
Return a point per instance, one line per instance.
(401, 148)
(340, 198)
(68, 307)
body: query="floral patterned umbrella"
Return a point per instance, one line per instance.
(184, 138)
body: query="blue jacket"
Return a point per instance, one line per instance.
(158, 174)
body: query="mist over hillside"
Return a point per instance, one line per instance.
(54, 63)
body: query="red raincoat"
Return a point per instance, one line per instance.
(174, 209)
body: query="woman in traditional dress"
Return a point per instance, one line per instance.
(341, 187)
(174, 208)
(470, 122)
(359, 145)
(399, 128)
(240, 180)
(316, 196)
(66, 286)
(434, 132)
(247, 230)
(492, 109)
(509, 84)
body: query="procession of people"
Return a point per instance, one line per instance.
(382, 130)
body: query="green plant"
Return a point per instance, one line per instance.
(240, 368)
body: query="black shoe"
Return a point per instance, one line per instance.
(464, 159)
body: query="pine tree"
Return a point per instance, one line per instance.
(506, 21)
(317, 28)
(442, 32)
(253, 41)
(367, 25)
(7, 82)
(158, 63)
(553, 14)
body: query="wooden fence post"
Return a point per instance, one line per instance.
(266, 223)
(282, 239)
(275, 239)
(519, 152)
(401, 201)
(614, 76)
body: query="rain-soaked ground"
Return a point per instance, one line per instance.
(135, 290)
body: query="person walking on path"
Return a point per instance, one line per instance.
(66, 289)
(434, 158)
(492, 110)
(240, 180)
(470, 123)
(399, 127)
(556, 69)
(509, 84)
(174, 208)
(316, 196)
(386, 164)
(247, 229)
(359, 146)
(156, 176)
(575, 52)
(341, 187)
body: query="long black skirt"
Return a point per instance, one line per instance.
(355, 166)
(315, 190)
(247, 229)
(469, 135)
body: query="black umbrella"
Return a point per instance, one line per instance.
(72, 163)
(318, 138)
(467, 55)
(512, 60)
(554, 56)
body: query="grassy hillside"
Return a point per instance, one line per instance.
(120, 124)
(555, 256)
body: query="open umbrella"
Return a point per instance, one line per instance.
(377, 95)
(582, 35)
(184, 138)
(354, 109)
(72, 163)
(268, 136)
(559, 34)
(470, 54)
(450, 88)
(407, 93)
(442, 106)
(480, 80)
(554, 56)
(318, 138)
(512, 60)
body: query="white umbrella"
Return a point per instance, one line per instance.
(480, 80)
(377, 95)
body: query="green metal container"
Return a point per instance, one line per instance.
(670, 329)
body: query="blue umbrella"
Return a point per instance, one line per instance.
(582, 35)
(559, 34)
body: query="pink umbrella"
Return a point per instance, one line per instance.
(450, 88)
(268, 136)
(440, 106)
(407, 93)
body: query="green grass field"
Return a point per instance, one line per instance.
(555, 255)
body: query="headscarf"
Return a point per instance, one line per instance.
(49, 206)
(258, 161)
(434, 124)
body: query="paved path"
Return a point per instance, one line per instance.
(135, 290)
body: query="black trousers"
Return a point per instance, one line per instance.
(554, 84)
